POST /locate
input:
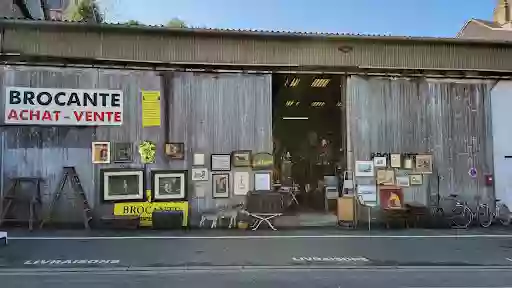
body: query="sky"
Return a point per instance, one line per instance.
(437, 18)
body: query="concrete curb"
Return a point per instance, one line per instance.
(153, 270)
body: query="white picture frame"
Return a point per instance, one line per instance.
(262, 181)
(364, 169)
(403, 181)
(367, 193)
(200, 174)
(161, 193)
(380, 162)
(220, 185)
(198, 159)
(98, 147)
(241, 183)
(108, 174)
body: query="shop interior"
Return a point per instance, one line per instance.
(307, 135)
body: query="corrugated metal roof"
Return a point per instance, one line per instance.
(242, 32)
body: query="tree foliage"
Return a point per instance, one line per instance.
(87, 11)
(176, 23)
(133, 23)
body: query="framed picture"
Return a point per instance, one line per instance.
(380, 162)
(123, 153)
(364, 169)
(175, 150)
(396, 160)
(241, 183)
(262, 161)
(367, 193)
(198, 159)
(122, 184)
(386, 177)
(169, 184)
(403, 181)
(200, 174)
(241, 158)
(423, 164)
(262, 181)
(221, 162)
(100, 152)
(220, 184)
(416, 179)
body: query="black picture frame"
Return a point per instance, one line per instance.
(214, 185)
(105, 172)
(122, 152)
(155, 186)
(228, 162)
(179, 154)
(241, 163)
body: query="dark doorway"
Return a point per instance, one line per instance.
(308, 134)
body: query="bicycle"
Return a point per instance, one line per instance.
(501, 213)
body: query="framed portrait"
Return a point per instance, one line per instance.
(100, 152)
(241, 158)
(220, 185)
(416, 179)
(423, 164)
(169, 184)
(175, 150)
(241, 183)
(386, 177)
(380, 162)
(395, 160)
(364, 169)
(221, 162)
(122, 153)
(403, 181)
(200, 174)
(263, 181)
(122, 184)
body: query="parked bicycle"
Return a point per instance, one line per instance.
(501, 214)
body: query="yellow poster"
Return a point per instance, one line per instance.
(145, 210)
(151, 113)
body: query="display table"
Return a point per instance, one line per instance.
(3, 237)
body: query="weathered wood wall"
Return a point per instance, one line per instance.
(211, 113)
(448, 118)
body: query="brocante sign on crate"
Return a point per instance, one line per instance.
(55, 106)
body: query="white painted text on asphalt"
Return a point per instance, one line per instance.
(329, 259)
(64, 262)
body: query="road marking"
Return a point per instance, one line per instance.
(64, 262)
(329, 259)
(261, 237)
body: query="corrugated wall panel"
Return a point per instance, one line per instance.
(449, 119)
(214, 113)
(217, 49)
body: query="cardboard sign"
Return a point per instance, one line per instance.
(145, 210)
(53, 106)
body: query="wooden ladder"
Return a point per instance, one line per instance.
(70, 174)
(12, 197)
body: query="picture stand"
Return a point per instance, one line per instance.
(69, 174)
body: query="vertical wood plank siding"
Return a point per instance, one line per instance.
(449, 119)
(211, 113)
(214, 113)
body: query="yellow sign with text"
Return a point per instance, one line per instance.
(145, 210)
(151, 108)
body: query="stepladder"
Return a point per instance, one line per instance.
(69, 175)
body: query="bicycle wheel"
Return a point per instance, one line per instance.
(462, 216)
(504, 215)
(484, 216)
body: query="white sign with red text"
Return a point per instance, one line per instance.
(55, 106)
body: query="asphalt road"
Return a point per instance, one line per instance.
(265, 278)
(282, 251)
